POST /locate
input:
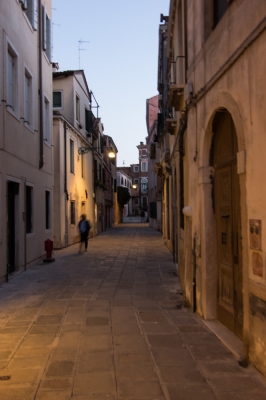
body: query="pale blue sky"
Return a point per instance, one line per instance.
(120, 62)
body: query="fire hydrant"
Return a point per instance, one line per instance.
(48, 247)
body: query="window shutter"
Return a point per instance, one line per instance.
(57, 99)
(49, 38)
(44, 45)
(26, 102)
(10, 80)
(32, 13)
(23, 4)
(88, 121)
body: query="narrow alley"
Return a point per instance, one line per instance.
(109, 324)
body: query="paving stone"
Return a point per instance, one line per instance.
(38, 340)
(53, 395)
(60, 368)
(56, 384)
(170, 356)
(187, 374)
(96, 361)
(134, 358)
(94, 383)
(135, 372)
(157, 327)
(96, 343)
(163, 340)
(136, 343)
(49, 319)
(189, 392)
(17, 393)
(43, 330)
(97, 321)
(139, 389)
(28, 361)
(235, 383)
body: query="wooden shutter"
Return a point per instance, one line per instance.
(32, 13)
(10, 83)
(44, 39)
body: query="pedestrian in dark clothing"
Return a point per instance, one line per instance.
(84, 229)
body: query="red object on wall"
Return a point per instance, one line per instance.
(48, 247)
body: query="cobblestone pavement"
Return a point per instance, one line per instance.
(109, 324)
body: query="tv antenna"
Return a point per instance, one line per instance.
(80, 49)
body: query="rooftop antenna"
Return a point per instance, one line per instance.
(80, 49)
(123, 162)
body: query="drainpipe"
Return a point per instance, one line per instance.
(65, 184)
(40, 84)
(25, 228)
(194, 283)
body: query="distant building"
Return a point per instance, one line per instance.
(155, 181)
(125, 181)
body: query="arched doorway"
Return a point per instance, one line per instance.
(226, 203)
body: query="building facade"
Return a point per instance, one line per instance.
(82, 174)
(211, 140)
(125, 180)
(26, 174)
(155, 181)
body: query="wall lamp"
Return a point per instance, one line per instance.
(83, 150)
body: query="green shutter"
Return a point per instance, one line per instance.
(88, 120)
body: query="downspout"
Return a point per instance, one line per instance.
(194, 282)
(65, 185)
(25, 228)
(40, 85)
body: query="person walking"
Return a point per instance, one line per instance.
(142, 214)
(84, 229)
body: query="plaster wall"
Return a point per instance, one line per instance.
(20, 141)
(241, 90)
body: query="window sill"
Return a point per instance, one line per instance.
(13, 113)
(30, 235)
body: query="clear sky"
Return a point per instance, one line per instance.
(120, 62)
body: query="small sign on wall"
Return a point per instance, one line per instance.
(255, 234)
(257, 263)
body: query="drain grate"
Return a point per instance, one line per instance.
(5, 377)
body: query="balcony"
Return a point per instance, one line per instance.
(171, 120)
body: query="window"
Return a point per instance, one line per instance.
(77, 108)
(144, 166)
(12, 78)
(31, 10)
(122, 181)
(144, 185)
(136, 201)
(28, 109)
(47, 34)
(72, 213)
(57, 99)
(46, 121)
(136, 168)
(29, 202)
(136, 181)
(71, 150)
(47, 209)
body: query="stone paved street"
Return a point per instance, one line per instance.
(109, 325)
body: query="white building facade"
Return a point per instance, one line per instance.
(26, 175)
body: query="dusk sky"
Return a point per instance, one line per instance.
(120, 61)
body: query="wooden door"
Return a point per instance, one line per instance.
(227, 213)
